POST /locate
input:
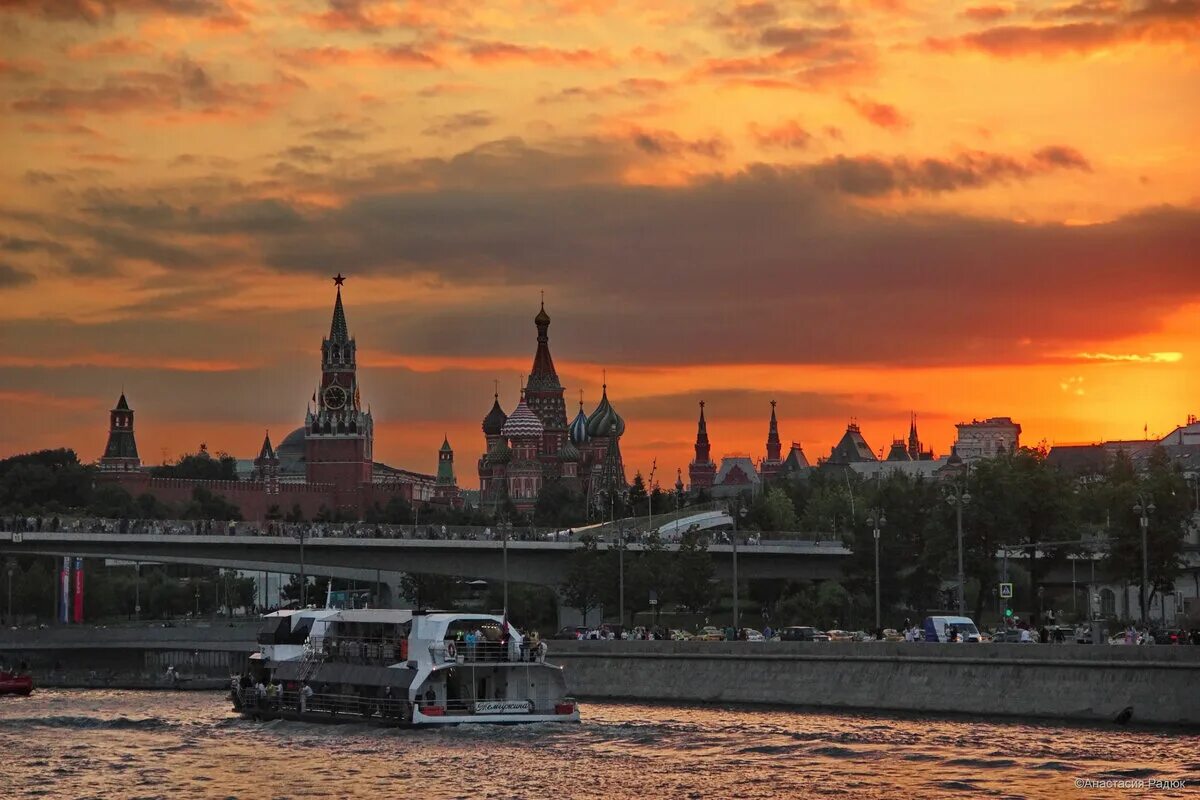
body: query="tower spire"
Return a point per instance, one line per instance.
(338, 331)
(774, 446)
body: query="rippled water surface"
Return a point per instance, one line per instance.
(144, 744)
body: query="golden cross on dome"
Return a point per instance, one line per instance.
(339, 279)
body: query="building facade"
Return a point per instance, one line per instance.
(994, 436)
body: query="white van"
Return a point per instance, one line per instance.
(937, 629)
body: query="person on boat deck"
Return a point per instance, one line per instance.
(430, 696)
(388, 701)
(306, 692)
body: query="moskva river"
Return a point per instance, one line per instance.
(107, 744)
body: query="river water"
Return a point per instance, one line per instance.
(107, 744)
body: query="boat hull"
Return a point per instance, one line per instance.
(22, 686)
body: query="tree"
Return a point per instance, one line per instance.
(773, 511)
(694, 571)
(318, 587)
(559, 505)
(638, 498)
(581, 588)
(199, 466)
(1164, 485)
(430, 591)
(532, 608)
(44, 481)
(206, 505)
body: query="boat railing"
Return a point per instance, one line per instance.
(336, 705)
(363, 649)
(464, 652)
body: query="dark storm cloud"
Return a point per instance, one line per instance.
(93, 11)
(11, 277)
(774, 264)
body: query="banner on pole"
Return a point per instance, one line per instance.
(78, 590)
(64, 600)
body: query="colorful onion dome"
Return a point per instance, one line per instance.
(605, 421)
(522, 423)
(568, 452)
(578, 430)
(493, 423)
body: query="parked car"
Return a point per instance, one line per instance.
(752, 635)
(837, 635)
(710, 633)
(892, 635)
(802, 633)
(1006, 635)
(681, 636)
(937, 629)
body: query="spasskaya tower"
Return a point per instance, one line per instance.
(338, 433)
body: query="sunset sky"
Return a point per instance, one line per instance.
(855, 208)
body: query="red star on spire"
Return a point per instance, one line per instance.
(339, 279)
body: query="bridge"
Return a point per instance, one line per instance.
(383, 559)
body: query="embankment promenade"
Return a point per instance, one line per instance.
(1058, 682)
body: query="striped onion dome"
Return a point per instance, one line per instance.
(522, 423)
(579, 428)
(605, 421)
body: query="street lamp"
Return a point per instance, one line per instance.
(621, 573)
(11, 570)
(876, 520)
(736, 510)
(505, 526)
(1144, 507)
(303, 578)
(960, 498)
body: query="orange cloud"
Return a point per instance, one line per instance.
(379, 56)
(1155, 21)
(882, 115)
(790, 135)
(501, 53)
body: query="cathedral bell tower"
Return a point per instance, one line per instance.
(339, 434)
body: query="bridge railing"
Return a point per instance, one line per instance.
(635, 531)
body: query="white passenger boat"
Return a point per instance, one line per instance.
(399, 668)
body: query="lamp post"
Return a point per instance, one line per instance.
(11, 570)
(303, 578)
(736, 510)
(959, 498)
(505, 525)
(876, 520)
(1144, 507)
(137, 590)
(621, 574)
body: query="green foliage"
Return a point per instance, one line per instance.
(694, 571)
(1164, 485)
(638, 498)
(773, 511)
(559, 505)
(431, 591)
(206, 505)
(51, 481)
(199, 466)
(582, 585)
(530, 607)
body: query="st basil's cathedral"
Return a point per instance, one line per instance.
(534, 443)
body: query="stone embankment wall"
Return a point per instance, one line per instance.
(1064, 682)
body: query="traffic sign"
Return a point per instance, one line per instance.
(1006, 590)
